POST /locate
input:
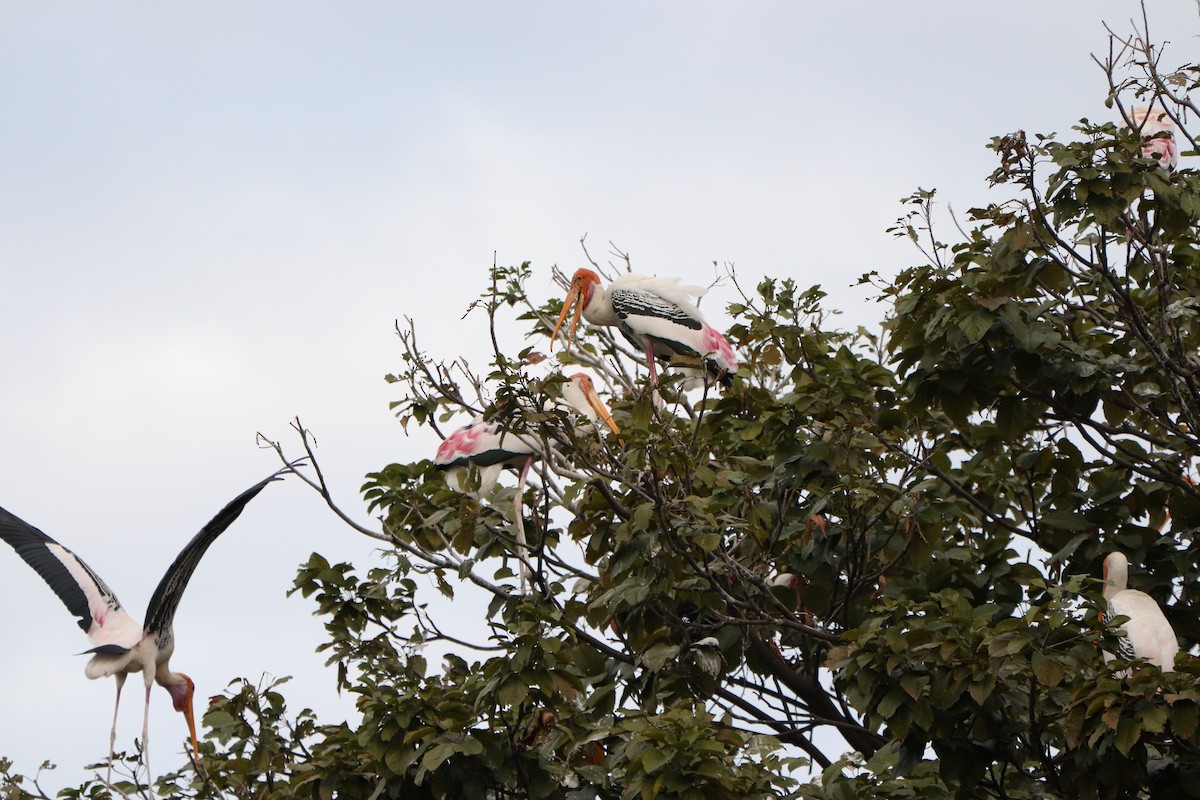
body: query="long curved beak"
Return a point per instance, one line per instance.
(598, 406)
(574, 299)
(191, 723)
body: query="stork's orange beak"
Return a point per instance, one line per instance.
(574, 299)
(191, 723)
(598, 406)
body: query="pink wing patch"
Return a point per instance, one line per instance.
(715, 346)
(1164, 147)
(463, 443)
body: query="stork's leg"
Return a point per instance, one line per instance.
(112, 736)
(519, 514)
(146, 733)
(650, 363)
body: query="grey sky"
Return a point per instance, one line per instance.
(211, 215)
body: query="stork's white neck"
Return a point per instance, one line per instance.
(1116, 574)
(575, 397)
(597, 307)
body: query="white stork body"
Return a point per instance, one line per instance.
(1147, 634)
(487, 445)
(120, 646)
(1161, 140)
(657, 315)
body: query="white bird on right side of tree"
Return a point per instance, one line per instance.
(1147, 634)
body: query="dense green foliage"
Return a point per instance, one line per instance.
(944, 489)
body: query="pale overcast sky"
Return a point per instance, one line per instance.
(212, 214)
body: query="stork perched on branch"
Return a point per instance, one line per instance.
(491, 447)
(1147, 634)
(658, 316)
(1160, 139)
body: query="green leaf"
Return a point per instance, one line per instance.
(658, 655)
(437, 754)
(652, 760)
(1048, 671)
(1184, 718)
(1129, 731)
(975, 325)
(642, 515)
(981, 690)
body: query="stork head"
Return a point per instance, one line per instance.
(181, 688)
(1116, 572)
(581, 394)
(787, 580)
(578, 296)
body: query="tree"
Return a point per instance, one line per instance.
(875, 553)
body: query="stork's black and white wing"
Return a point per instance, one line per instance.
(660, 314)
(648, 319)
(165, 599)
(108, 626)
(645, 305)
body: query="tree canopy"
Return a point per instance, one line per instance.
(867, 567)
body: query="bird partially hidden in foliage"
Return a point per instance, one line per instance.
(1159, 137)
(535, 728)
(1147, 633)
(789, 588)
(706, 654)
(492, 446)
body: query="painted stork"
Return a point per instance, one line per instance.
(1160, 139)
(120, 646)
(657, 315)
(790, 587)
(491, 448)
(1147, 634)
